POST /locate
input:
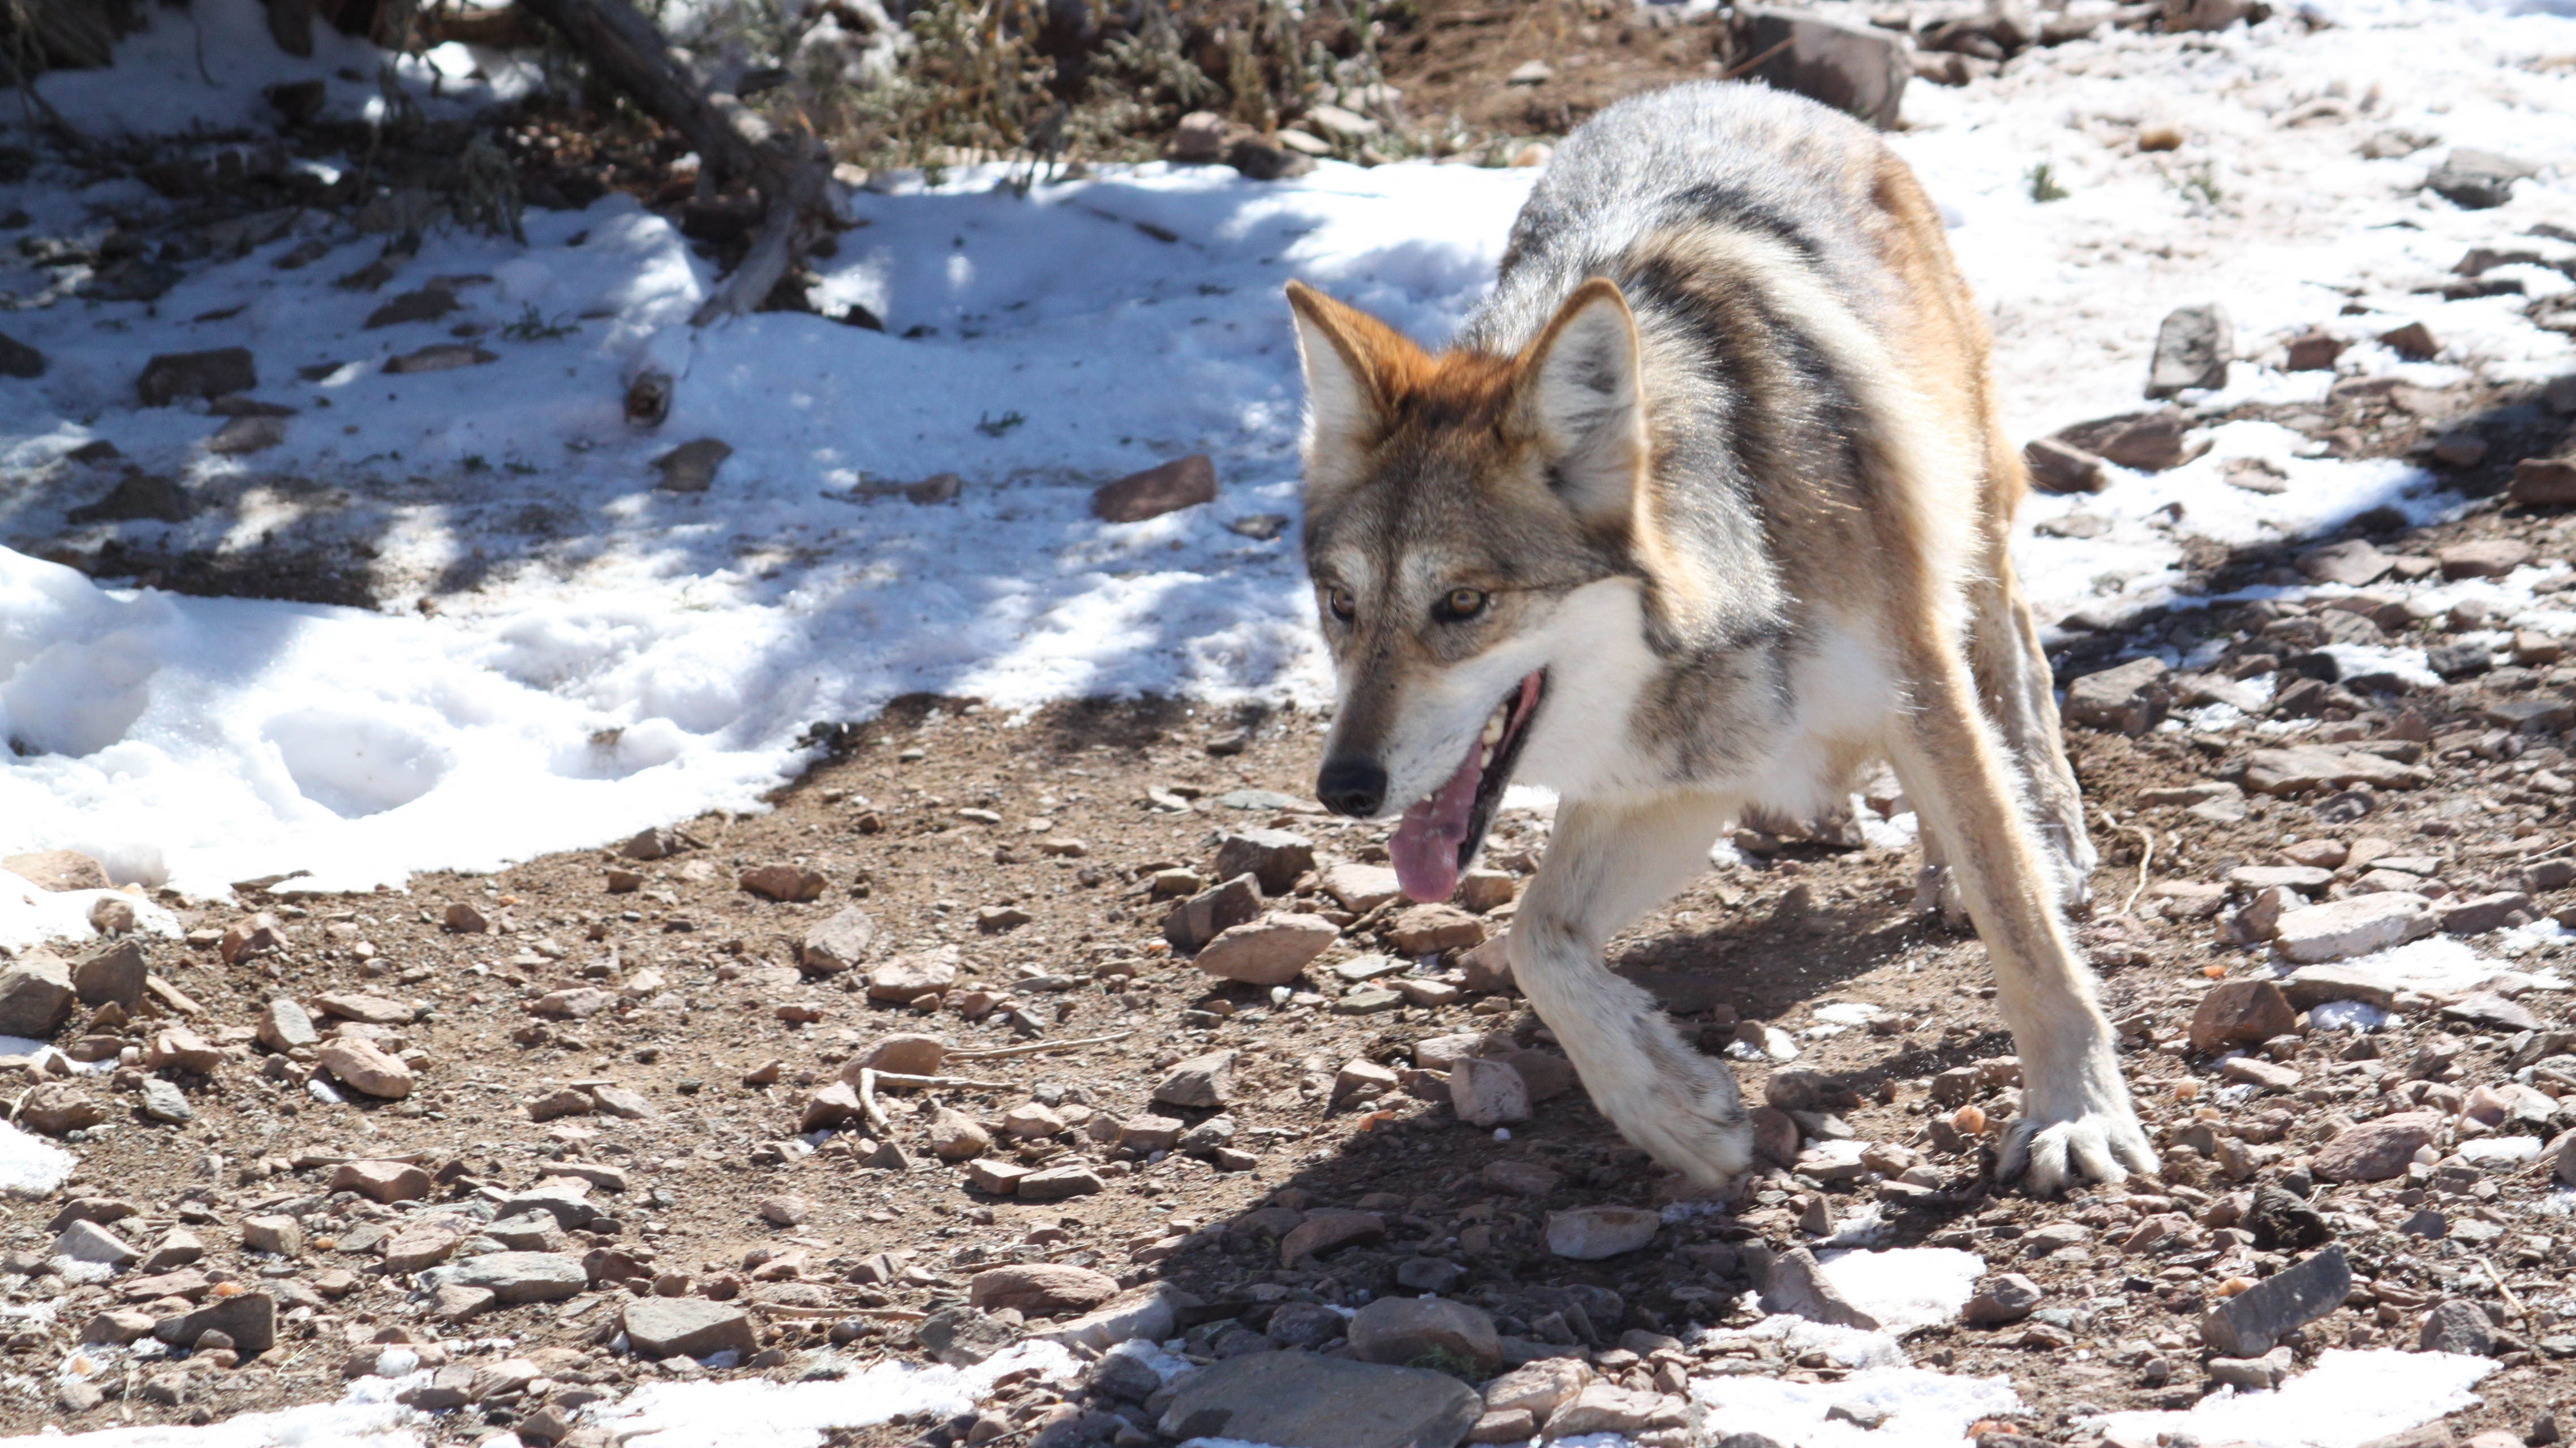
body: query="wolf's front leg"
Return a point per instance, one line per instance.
(1606, 865)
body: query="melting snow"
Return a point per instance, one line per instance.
(2347, 1399)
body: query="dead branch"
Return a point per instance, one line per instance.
(790, 169)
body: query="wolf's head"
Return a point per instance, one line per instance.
(1455, 504)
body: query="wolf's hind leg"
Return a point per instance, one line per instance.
(1606, 865)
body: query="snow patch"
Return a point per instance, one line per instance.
(1925, 1409)
(30, 1165)
(798, 1415)
(2349, 1398)
(2439, 964)
(1905, 1287)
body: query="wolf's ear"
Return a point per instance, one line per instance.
(1350, 358)
(1580, 392)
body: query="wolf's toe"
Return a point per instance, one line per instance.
(2049, 1157)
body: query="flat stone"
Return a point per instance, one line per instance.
(2005, 1298)
(2314, 985)
(439, 357)
(2255, 1071)
(1488, 1093)
(1275, 858)
(1150, 1312)
(1795, 1284)
(1328, 1231)
(514, 1277)
(1057, 1183)
(2250, 1323)
(1000, 1178)
(2359, 925)
(2373, 1151)
(2484, 557)
(1200, 1081)
(1430, 929)
(250, 1320)
(2193, 348)
(2306, 879)
(2058, 466)
(1300, 1400)
(1040, 1289)
(838, 944)
(1361, 888)
(693, 1327)
(1270, 951)
(284, 1026)
(2355, 562)
(1589, 1234)
(2131, 698)
(2241, 1013)
(909, 977)
(163, 1102)
(962, 1336)
(1606, 1408)
(363, 1066)
(87, 1241)
(216, 373)
(2490, 1011)
(2305, 768)
(1538, 1388)
(1183, 482)
(1401, 1330)
(420, 1246)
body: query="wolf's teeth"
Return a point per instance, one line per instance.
(1494, 728)
(1484, 759)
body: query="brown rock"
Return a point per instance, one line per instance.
(1270, 951)
(1430, 929)
(1199, 1081)
(362, 1066)
(2484, 557)
(1040, 1289)
(909, 977)
(786, 883)
(383, 1181)
(2240, 1013)
(1181, 483)
(2376, 1150)
(1403, 1330)
(58, 870)
(905, 1053)
(1328, 1231)
(955, 1136)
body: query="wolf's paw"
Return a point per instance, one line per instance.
(2102, 1144)
(2071, 853)
(1686, 1115)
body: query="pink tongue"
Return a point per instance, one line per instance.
(1425, 844)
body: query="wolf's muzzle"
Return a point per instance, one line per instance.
(1353, 787)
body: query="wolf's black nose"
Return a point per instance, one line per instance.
(1354, 787)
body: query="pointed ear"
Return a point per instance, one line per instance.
(1352, 361)
(1580, 393)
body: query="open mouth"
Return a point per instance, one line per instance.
(1439, 834)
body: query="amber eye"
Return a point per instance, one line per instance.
(1344, 606)
(1460, 604)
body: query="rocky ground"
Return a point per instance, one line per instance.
(992, 1022)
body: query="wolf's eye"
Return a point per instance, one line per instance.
(1460, 604)
(1344, 606)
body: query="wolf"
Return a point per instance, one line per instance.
(1705, 510)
